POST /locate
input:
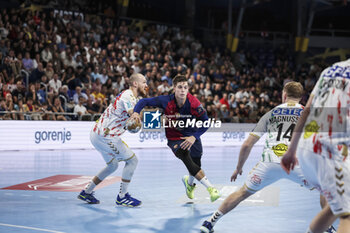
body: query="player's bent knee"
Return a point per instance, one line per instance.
(180, 153)
(130, 166)
(184, 155)
(109, 169)
(133, 162)
(247, 190)
(244, 192)
(112, 166)
(197, 160)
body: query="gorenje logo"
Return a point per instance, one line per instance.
(62, 136)
(151, 120)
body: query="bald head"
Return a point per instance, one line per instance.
(136, 77)
(138, 84)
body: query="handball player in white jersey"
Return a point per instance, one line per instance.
(105, 136)
(278, 124)
(321, 140)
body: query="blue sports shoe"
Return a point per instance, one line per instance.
(331, 229)
(89, 198)
(127, 201)
(207, 227)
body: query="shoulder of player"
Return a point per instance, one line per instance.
(300, 106)
(128, 94)
(345, 63)
(193, 101)
(267, 115)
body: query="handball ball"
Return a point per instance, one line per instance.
(133, 126)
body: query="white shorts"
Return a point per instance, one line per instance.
(111, 147)
(331, 177)
(264, 174)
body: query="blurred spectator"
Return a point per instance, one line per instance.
(252, 104)
(31, 108)
(40, 94)
(28, 63)
(57, 108)
(36, 74)
(224, 101)
(46, 112)
(94, 108)
(207, 90)
(211, 112)
(164, 87)
(232, 101)
(98, 95)
(19, 108)
(3, 109)
(78, 94)
(167, 77)
(216, 101)
(46, 55)
(55, 84)
(49, 71)
(66, 100)
(309, 84)
(104, 77)
(224, 113)
(74, 82)
(79, 108)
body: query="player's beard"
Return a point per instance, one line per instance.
(142, 92)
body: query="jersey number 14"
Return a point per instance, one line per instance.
(287, 134)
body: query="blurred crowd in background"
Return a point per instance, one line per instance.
(56, 66)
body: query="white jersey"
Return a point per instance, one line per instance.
(327, 128)
(113, 119)
(279, 124)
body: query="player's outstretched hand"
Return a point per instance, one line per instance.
(186, 145)
(235, 174)
(288, 161)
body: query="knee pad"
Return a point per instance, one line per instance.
(180, 153)
(197, 160)
(129, 168)
(184, 155)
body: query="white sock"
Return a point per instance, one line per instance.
(308, 230)
(204, 181)
(123, 189)
(190, 180)
(215, 217)
(89, 187)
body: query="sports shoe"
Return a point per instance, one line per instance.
(331, 229)
(127, 201)
(189, 188)
(89, 198)
(214, 194)
(206, 227)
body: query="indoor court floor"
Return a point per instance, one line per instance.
(284, 207)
